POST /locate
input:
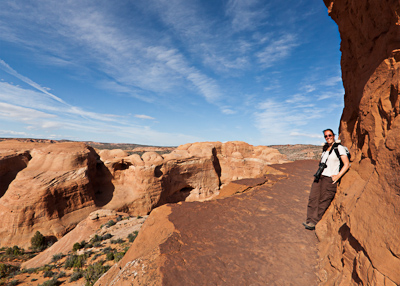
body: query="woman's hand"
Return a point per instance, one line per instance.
(335, 178)
(346, 165)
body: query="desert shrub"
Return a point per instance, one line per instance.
(38, 242)
(76, 246)
(46, 267)
(33, 280)
(110, 256)
(13, 283)
(61, 274)
(118, 256)
(48, 274)
(95, 239)
(132, 236)
(119, 218)
(76, 275)
(110, 223)
(52, 282)
(94, 272)
(57, 257)
(88, 245)
(97, 244)
(108, 250)
(119, 240)
(106, 236)
(30, 270)
(96, 255)
(74, 261)
(7, 270)
(15, 250)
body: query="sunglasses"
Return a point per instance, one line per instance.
(328, 136)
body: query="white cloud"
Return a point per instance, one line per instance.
(300, 134)
(277, 120)
(332, 81)
(142, 116)
(228, 111)
(277, 50)
(245, 14)
(12, 133)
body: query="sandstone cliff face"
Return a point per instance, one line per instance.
(359, 234)
(52, 191)
(51, 187)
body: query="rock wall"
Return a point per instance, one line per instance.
(359, 233)
(51, 187)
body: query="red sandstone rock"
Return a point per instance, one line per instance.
(254, 238)
(52, 187)
(52, 194)
(359, 233)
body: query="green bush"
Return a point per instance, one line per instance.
(106, 236)
(52, 282)
(118, 256)
(119, 240)
(15, 250)
(76, 246)
(95, 239)
(57, 257)
(88, 245)
(132, 236)
(94, 272)
(108, 250)
(75, 261)
(13, 283)
(110, 256)
(38, 242)
(7, 270)
(48, 274)
(110, 223)
(76, 276)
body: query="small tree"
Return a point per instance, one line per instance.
(38, 242)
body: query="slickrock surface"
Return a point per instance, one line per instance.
(360, 233)
(94, 224)
(50, 186)
(254, 238)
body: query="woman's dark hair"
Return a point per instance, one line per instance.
(328, 130)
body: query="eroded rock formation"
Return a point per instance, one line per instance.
(51, 187)
(254, 238)
(359, 234)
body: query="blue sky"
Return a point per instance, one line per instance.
(169, 72)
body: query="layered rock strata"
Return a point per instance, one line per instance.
(51, 187)
(359, 233)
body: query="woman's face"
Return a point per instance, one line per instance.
(329, 137)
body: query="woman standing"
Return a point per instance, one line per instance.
(323, 190)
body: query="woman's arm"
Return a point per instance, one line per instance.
(346, 165)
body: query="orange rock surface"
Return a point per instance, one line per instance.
(51, 187)
(254, 238)
(359, 233)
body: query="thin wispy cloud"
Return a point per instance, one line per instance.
(277, 49)
(142, 116)
(246, 14)
(108, 68)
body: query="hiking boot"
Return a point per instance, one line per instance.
(309, 225)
